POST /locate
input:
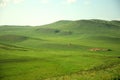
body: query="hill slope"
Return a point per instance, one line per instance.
(83, 26)
(63, 50)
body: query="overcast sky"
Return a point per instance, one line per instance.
(39, 12)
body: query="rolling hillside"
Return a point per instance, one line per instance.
(63, 50)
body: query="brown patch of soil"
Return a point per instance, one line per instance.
(99, 49)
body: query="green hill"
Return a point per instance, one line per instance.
(63, 50)
(85, 26)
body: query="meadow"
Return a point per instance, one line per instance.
(63, 50)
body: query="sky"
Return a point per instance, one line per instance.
(40, 12)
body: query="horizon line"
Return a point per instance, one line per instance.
(56, 21)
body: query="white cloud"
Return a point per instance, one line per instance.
(4, 3)
(71, 1)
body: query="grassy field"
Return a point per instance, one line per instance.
(64, 50)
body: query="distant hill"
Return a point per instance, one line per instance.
(93, 27)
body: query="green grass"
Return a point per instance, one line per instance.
(61, 51)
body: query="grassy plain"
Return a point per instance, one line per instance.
(61, 51)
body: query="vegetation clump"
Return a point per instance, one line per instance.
(57, 31)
